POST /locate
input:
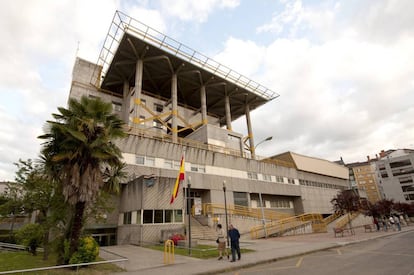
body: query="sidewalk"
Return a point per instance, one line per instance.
(148, 261)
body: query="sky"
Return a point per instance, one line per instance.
(343, 69)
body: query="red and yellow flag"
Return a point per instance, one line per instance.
(180, 178)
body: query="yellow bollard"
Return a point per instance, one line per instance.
(168, 252)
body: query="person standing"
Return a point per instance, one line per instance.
(234, 241)
(376, 223)
(221, 241)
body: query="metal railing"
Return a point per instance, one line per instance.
(341, 223)
(331, 218)
(269, 214)
(123, 23)
(283, 225)
(62, 266)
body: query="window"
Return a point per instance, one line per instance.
(279, 179)
(168, 216)
(178, 215)
(401, 163)
(291, 181)
(116, 106)
(158, 216)
(198, 168)
(168, 163)
(252, 175)
(127, 217)
(267, 177)
(141, 120)
(140, 160)
(147, 216)
(240, 198)
(149, 161)
(143, 101)
(158, 107)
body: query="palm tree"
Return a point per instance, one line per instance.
(79, 145)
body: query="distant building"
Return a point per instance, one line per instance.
(395, 172)
(3, 186)
(363, 177)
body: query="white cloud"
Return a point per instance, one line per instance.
(195, 10)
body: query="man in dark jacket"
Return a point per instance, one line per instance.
(234, 241)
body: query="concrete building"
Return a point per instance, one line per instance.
(395, 172)
(178, 102)
(365, 179)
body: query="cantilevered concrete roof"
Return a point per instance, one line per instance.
(128, 40)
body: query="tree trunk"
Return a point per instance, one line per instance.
(76, 228)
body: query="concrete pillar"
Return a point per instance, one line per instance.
(203, 104)
(126, 102)
(228, 112)
(138, 87)
(250, 132)
(174, 107)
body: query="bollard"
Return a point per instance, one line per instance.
(168, 252)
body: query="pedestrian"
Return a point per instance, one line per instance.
(397, 222)
(384, 223)
(234, 241)
(376, 223)
(221, 242)
(392, 222)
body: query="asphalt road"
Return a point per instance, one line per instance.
(393, 255)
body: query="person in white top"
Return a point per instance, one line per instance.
(221, 241)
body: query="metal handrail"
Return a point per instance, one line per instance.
(288, 223)
(62, 266)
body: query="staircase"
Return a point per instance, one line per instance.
(202, 232)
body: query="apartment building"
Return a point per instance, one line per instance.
(395, 172)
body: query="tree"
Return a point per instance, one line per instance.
(40, 193)
(31, 235)
(347, 201)
(79, 145)
(12, 205)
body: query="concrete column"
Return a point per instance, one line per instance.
(138, 87)
(203, 104)
(250, 132)
(174, 107)
(228, 112)
(126, 102)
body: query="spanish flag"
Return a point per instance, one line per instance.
(180, 178)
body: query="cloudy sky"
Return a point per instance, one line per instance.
(344, 69)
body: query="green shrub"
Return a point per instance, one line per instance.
(88, 251)
(31, 235)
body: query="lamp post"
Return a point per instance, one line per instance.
(189, 213)
(266, 139)
(225, 211)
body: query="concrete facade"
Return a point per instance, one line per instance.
(191, 116)
(395, 171)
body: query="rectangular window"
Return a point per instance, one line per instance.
(267, 177)
(158, 216)
(178, 215)
(147, 216)
(158, 107)
(401, 163)
(141, 120)
(240, 198)
(140, 160)
(149, 161)
(252, 175)
(116, 106)
(279, 179)
(168, 164)
(168, 216)
(127, 217)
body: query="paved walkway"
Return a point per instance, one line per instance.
(148, 261)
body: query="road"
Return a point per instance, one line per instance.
(389, 255)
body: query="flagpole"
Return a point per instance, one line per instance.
(189, 213)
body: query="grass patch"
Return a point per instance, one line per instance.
(201, 251)
(23, 260)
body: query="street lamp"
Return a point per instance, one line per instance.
(266, 139)
(225, 211)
